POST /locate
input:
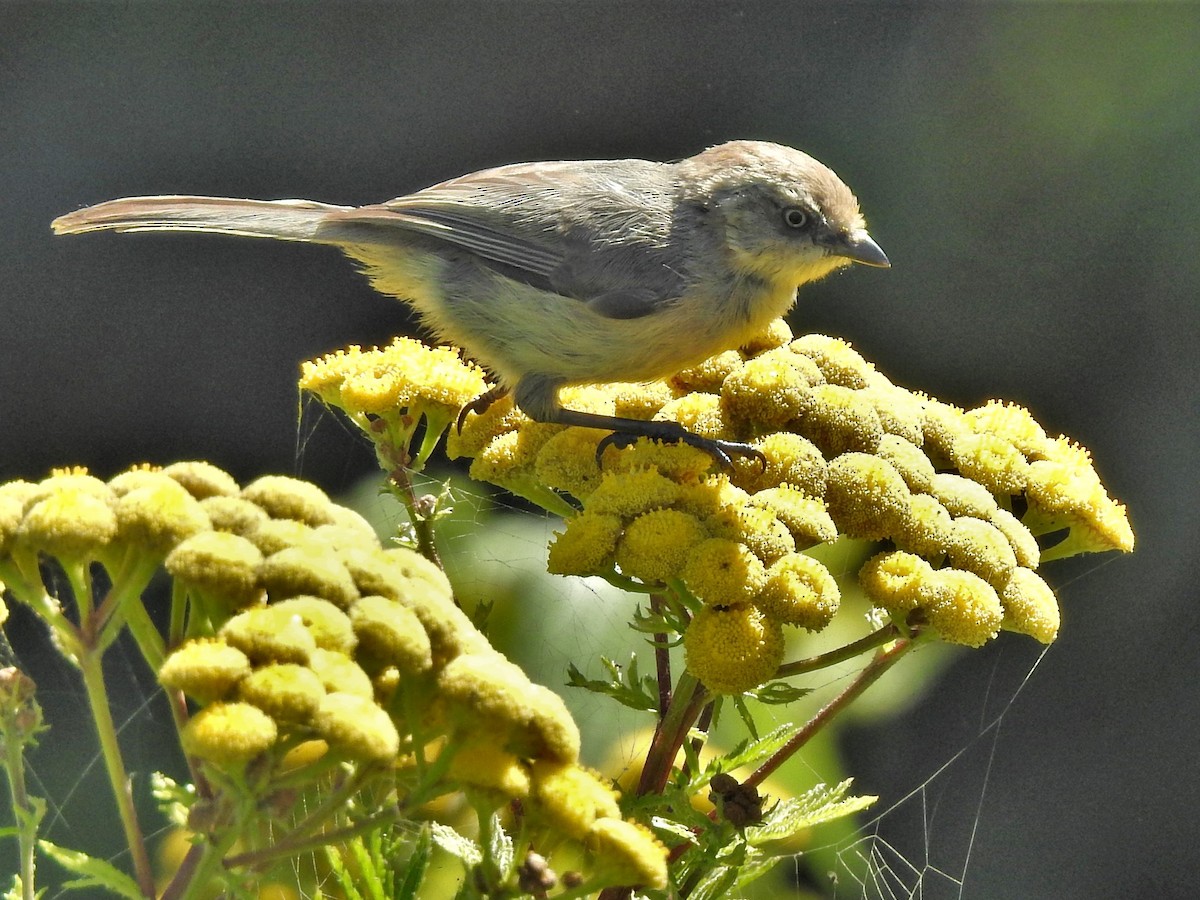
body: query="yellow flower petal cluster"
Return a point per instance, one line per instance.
(846, 453)
(388, 391)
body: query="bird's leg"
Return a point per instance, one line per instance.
(480, 404)
(537, 397)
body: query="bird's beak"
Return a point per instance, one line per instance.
(861, 248)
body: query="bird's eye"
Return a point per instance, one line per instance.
(795, 217)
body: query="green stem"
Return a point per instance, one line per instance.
(26, 817)
(883, 661)
(841, 654)
(688, 700)
(106, 732)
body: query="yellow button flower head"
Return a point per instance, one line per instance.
(567, 461)
(806, 518)
(962, 496)
(866, 496)
(722, 572)
(289, 498)
(223, 567)
(927, 528)
(1064, 490)
(708, 497)
(1012, 423)
(756, 527)
(840, 363)
(229, 734)
(272, 535)
(338, 672)
(13, 499)
(896, 580)
(286, 692)
(392, 634)
(482, 764)
(202, 479)
(357, 727)
(206, 669)
(700, 414)
(769, 391)
(679, 462)
(233, 514)
(159, 515)
(708, 375)
(639, 401)
(734, 649)
(267, 635)
(841, 420)
(628, 854)
(992, 461)
(909, 460)
(901, 413)
(656, 545)
(571, 798)
(962, 607)
(71, 523)
(587, 546)
(314, 569)
(324, 376)
(777, 334)
(791, 459)
(980, 547)
(799, 590)
(328, 625)
(1030, 607)
(943, 424)
(1020, 538)
(633, 492)
(548, 731)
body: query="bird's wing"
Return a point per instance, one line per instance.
(576, 229)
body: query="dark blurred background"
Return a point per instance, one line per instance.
(1032, 170)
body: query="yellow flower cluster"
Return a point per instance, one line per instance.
(847, 453)
(387, 391)
(303, 628)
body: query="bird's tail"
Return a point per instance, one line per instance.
(285, 220)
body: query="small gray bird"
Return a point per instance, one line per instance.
(558, 273)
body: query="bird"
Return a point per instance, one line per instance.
(573, 272)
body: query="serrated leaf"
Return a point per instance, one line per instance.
(455, 844)
(418, 865)
(94, 873)
(739, 703)
(626, 687)
(778, 693)
(746, 753)
(500, 848)
(816, 805)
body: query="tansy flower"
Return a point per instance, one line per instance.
(267, 635)
(896, 580)
(709, 375)
(392, 634)
(567, 461)
(627, 853)
(767, 392)
(312, 569)
(481, 763)
(722, 572)
(733, 649)
(290, 498)
(909, 460)
(901, 413)
(866, 496)
(806, 518)
(587, 546)
(699, 413)
(962, 607)
(233, 514)
(338, 672)
(159, 515)
(328, 625)
(633, 492)
(756, 527)
(202, 479)
(840, 363)
(980, 547)
(639, 401)
(799, 590)
(286, 692)
(656, 545)
(992, 461)
(571, 798)
(1029, 606)
(223, 567)
(790, 459)
(71, 523)
(841, 420)
(926, 528)
(206, 669)
(356, 727)
(1012, 423)
(228, 734)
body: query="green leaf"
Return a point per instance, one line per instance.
(626, 687)
(94, 873)
(816, 805)
(500, 848)
(739, 703)
(455, 844)
(418, 865)
(746, 753)
(778, 693)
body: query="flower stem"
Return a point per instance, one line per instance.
(841, 654)
(106, 732)
(883, 661)
(688, 700)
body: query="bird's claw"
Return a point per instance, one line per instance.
(721, 451)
